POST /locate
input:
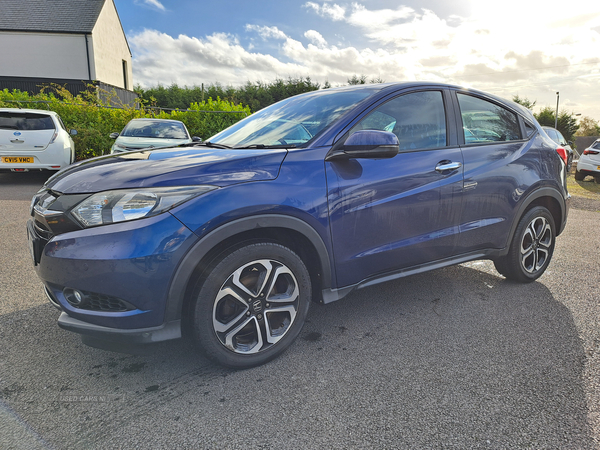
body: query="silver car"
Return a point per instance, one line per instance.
(150, 133)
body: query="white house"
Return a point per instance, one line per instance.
(69, 42)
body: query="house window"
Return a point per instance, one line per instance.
(125, 73)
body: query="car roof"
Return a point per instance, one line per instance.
(24, 110)
(395, 86)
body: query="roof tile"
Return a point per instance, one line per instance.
(66, 16)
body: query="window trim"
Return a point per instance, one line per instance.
(451, 140)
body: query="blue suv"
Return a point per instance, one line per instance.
(230, 240)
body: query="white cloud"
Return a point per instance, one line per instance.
(531, 53)
(334, 12)
(152, 3)
(267, 32)
(316, 38)
(221, 58)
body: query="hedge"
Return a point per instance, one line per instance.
(94, 121)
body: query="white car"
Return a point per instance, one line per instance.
(589, 163)
(150, 133)
(33, 139)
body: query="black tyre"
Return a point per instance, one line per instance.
(579, 176)
(531, 249)
(597, 180)
(251, 305)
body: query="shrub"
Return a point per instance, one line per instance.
(94, 121)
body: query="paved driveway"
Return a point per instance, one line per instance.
(456, 358)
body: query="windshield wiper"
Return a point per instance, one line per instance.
(211, 144)
(268, 146)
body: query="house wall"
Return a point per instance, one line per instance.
(111, 49)
(43, 55)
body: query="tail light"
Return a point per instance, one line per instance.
(54, 136)
(590, 152)
(562, 153)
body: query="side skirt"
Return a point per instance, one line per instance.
(332, 295)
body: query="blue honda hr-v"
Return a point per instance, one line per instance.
(230, 240)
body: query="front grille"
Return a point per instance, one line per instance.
(42, 230)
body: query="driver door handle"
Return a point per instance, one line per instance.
(444, 166)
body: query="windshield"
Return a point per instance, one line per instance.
(291, 122)
(155, 129)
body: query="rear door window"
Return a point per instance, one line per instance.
(25, 121)
(484, 121)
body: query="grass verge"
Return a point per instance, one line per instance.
(586, 189)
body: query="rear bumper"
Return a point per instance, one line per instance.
(31, 167)
(588, 167)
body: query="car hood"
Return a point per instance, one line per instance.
(168, 167)
(145, 142)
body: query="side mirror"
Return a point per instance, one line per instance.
(196, 139)
(113, 135)
(570, 142)
(368, 144)
(73, 132)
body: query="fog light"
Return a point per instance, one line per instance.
(73, 296)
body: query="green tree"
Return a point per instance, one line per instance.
(588, 127)
(567, 122)
(524, 102)
(256, 95)
(357, 80)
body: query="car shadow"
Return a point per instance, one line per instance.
(456, 357)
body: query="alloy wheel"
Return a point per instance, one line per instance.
(256, 306)
(536, 245)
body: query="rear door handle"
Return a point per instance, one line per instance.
(444, 166)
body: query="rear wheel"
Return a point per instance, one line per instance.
(252, 305)
(531, 249)
(569, 163)
(579, 176)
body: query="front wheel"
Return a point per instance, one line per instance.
(252, 305)
(531, 248)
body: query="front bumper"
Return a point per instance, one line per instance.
(131, 261)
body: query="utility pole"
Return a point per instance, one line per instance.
(556, 116)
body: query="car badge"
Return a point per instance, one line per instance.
(17, 133)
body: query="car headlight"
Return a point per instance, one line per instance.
(130, 204)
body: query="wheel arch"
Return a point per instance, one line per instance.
(549, 198)
(288, 231)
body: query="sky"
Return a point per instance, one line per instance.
(510, 47)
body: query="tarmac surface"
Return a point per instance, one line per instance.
(455, 358)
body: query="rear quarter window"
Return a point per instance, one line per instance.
(25, 121)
